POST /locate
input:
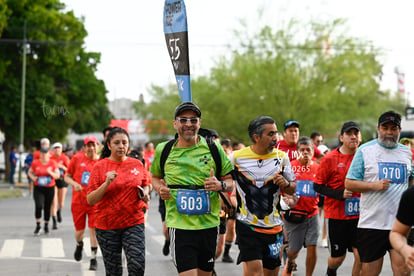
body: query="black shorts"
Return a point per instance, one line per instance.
(342, 236)
(161, 209)
(256, 246)
(410, 238)
(60, 183)
(223, 226)
(193, 249)
(373, 244)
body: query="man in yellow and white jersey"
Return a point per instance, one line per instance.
(261, 171)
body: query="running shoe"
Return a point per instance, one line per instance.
(288, 270)
(37, 230)
(59, 216)
(324, 243)
(93, 265)
(78, 251)
(166, 248)
(46, 229)
(227, 259)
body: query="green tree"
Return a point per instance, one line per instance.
(312, 72)
(62, 91)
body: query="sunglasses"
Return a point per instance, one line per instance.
(184, 120)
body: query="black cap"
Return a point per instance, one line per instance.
(214, 133)
(347, 126)
(187, 106)
(390, 117)
(290, 123)
(44, 149)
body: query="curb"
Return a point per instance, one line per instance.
(10, 193)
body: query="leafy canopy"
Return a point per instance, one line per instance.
(312, 72)
(62, 91)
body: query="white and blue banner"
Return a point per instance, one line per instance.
(176, 37)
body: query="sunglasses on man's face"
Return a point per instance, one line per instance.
(184, 120)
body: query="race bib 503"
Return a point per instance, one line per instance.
(193, 202)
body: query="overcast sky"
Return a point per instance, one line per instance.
(129, 35)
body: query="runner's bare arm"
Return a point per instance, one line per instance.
(360, 186)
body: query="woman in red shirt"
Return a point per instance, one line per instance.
(62, 160)
(119, 188)
(43, 173)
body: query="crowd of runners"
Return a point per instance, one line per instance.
(277, 194)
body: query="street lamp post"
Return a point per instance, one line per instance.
(22, 107)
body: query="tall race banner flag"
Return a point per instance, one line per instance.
(176, 37)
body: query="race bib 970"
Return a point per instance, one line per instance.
(193, 202)
(396, 172)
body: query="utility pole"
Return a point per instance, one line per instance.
(23, 99)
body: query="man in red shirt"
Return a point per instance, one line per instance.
(149, 153)
(341, 206)
(77, 176)
(305, 230)
(290, 142)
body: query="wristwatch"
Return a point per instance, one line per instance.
(223, 185)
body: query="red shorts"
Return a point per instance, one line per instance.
(79, 212)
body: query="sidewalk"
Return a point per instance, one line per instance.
(7, 191)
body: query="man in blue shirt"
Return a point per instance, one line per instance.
(13, 163)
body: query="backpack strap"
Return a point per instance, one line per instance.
(216, 155)
(217, 159)
(164, 154)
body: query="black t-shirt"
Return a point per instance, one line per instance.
(406, 208)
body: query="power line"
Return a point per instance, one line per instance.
(41, 42)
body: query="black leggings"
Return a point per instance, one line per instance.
(43, 197)
(132, 240)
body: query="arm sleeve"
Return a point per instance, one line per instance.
(333, 193)
(404, 214)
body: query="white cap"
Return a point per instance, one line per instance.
(44, 140)
(57, 145)
(323, 148)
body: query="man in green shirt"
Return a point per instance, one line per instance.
(190, 190)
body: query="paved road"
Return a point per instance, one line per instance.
(23, 254)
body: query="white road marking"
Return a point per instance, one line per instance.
(12, 248)
(52, 247)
